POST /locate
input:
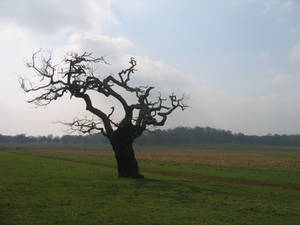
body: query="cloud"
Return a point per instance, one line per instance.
(116, 50)
(100, 45)
(13, 51)
(295, 53)
(264, 57)
(57, 16)
(133, 6)
(252, 115)
(280, 5)
(270, 5)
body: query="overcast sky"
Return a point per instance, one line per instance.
(237, 61)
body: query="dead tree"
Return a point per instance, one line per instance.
(76, 76)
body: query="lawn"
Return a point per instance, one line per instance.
(35, 190)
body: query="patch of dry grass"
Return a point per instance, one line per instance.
(223, 158)
(261, 160)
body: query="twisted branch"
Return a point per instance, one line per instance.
(86, 126)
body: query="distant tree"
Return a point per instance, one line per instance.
(21, 138)
(76, 77)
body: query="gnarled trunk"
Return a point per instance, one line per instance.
(127, 163)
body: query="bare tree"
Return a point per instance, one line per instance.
(76, 76)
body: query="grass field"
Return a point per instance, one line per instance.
(203, 185)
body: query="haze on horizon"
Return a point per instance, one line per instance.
(237, 61)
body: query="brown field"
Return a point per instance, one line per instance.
(276, 160)
(221, 158)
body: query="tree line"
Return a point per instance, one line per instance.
(176, 136)
(208, 135)
(50, 139)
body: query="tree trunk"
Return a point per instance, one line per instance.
(127, 163)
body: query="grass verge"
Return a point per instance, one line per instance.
(45, 191)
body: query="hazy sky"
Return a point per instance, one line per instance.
(238, 61)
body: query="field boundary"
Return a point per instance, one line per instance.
(177, 175)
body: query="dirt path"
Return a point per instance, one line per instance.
(170, 174)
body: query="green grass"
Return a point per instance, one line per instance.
(271, 176)
(45, 191)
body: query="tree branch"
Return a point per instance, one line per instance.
(86, 126)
